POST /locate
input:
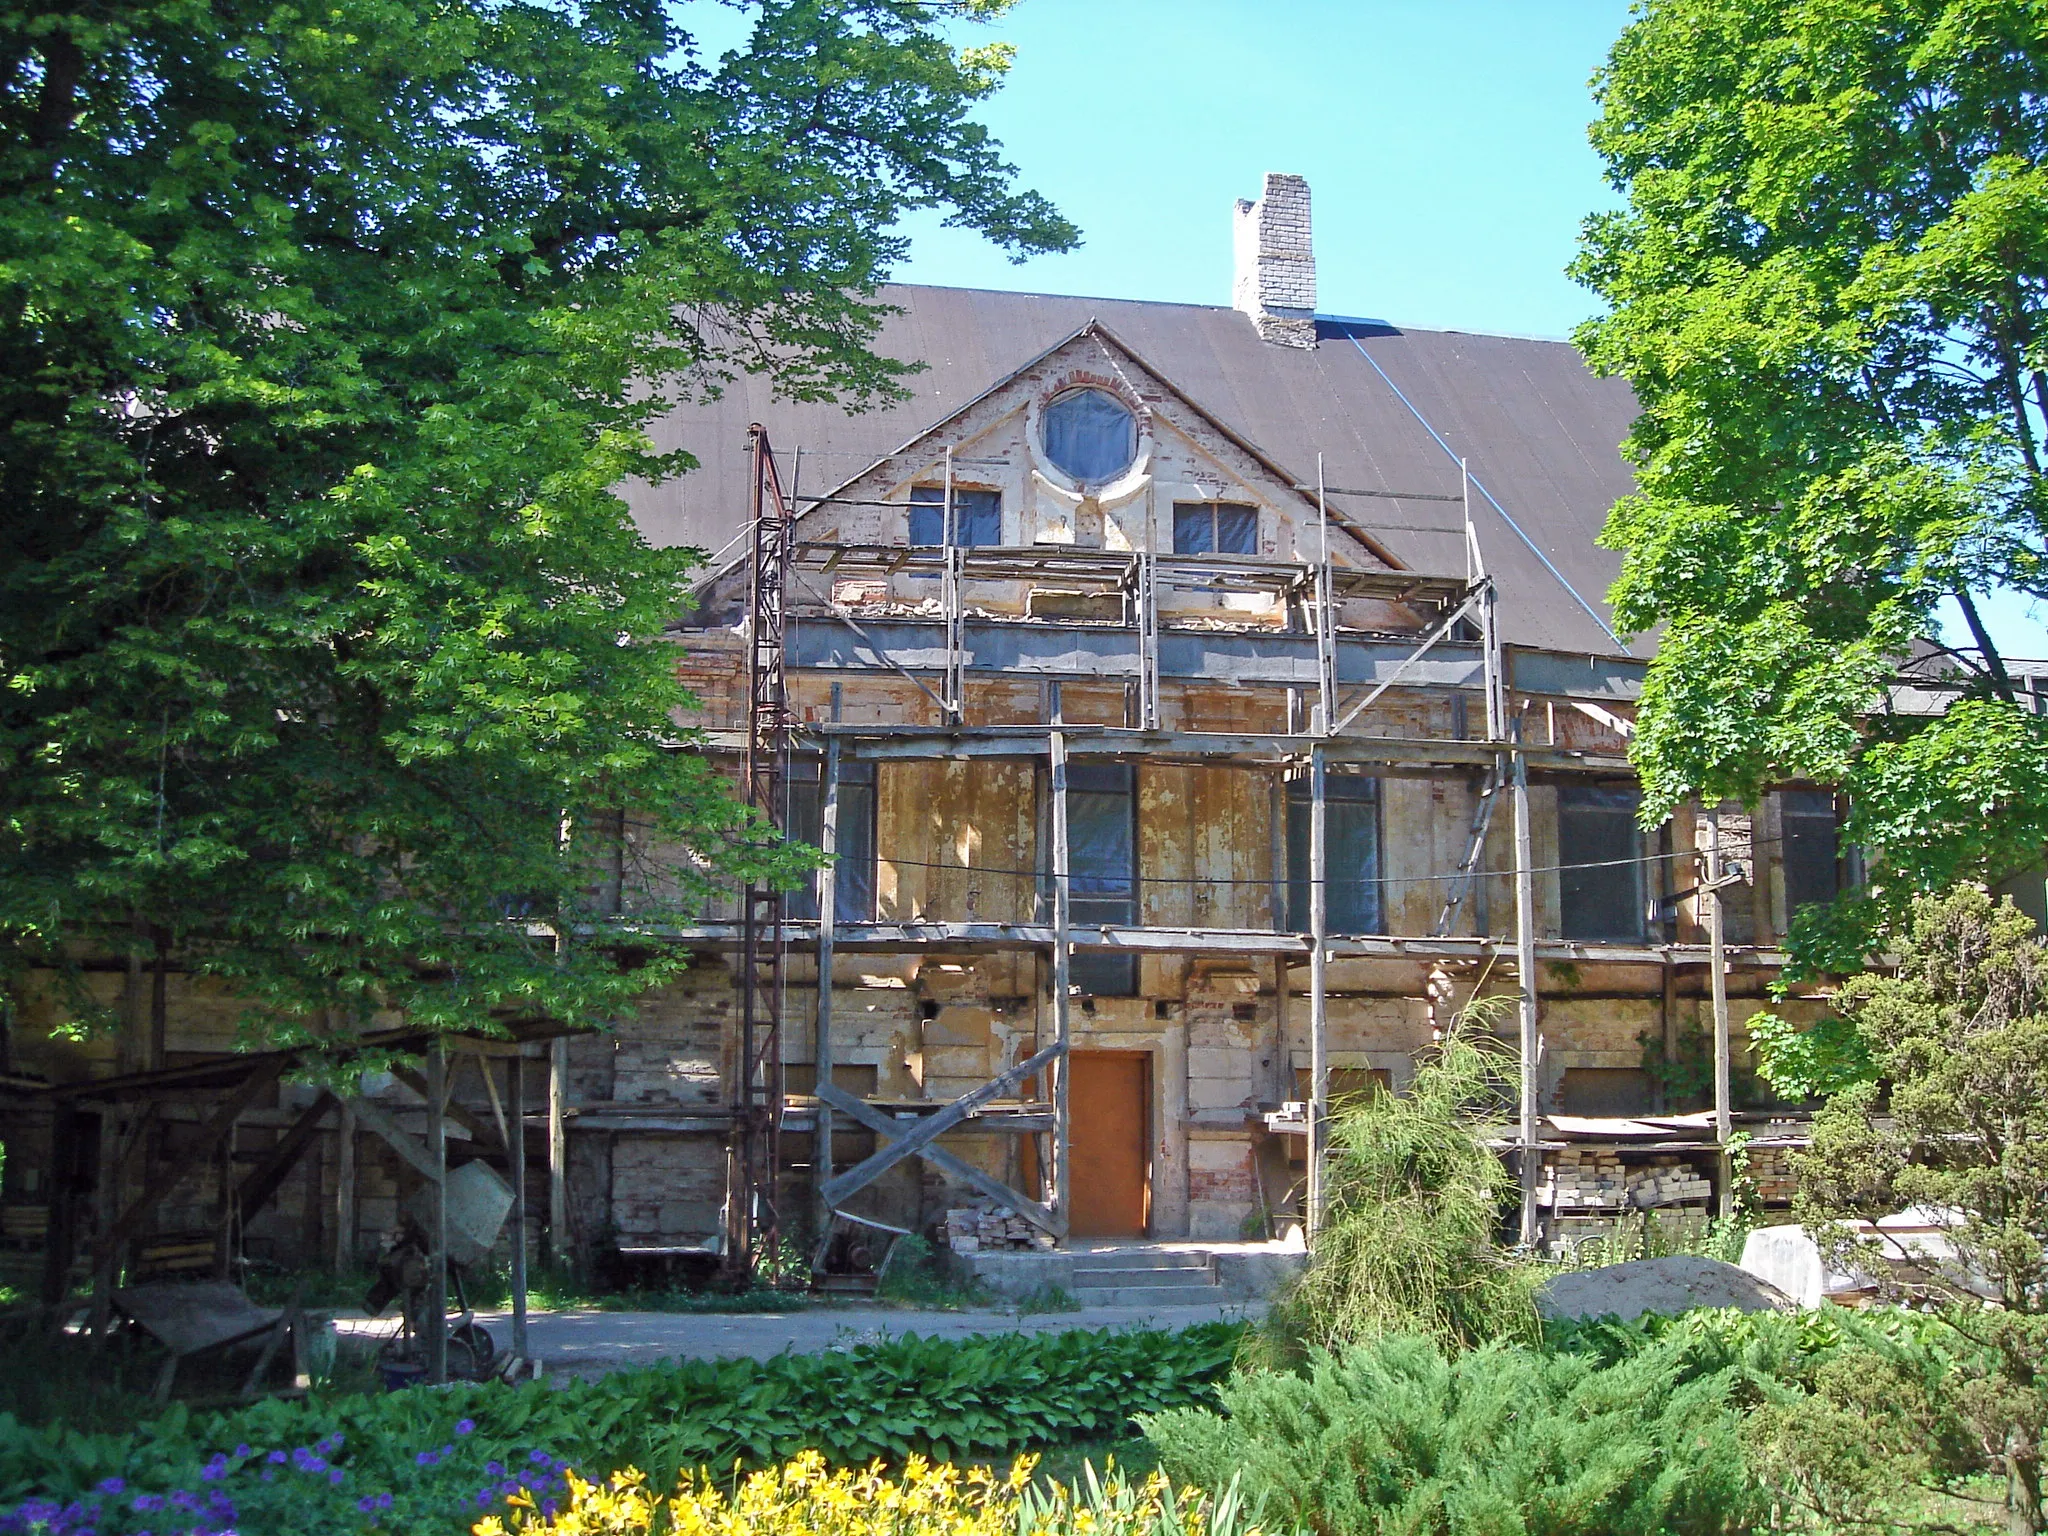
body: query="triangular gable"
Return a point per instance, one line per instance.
(1187, 454)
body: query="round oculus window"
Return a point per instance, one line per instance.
(1091, 435)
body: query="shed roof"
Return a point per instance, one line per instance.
(1539, 431)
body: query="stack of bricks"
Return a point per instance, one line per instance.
(1770, 1173)
(1581, 1176)
(982, 1229)
(1595, 1178)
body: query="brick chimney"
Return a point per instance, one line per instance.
(1276, 262)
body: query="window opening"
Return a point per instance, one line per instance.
(1102, 860)
(1215, 528)
(1596, 826)
(977, 517)
(1351, 838)
(1812, 848)
(1090, 435)
(854, 896)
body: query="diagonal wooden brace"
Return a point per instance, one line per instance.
(1038, 1215)
(372, 1117)
(913, 1142)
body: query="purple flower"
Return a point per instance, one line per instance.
(242, 1450)
(425, 1459)
(464, 1426)
(483, 1498)
(275, 1458)
(330, 1445)
(494, 1469)
(269, 1476)
(366, 1504)
(180, 1499)
(383, 1501)
(547, 1509)
(111, 1485)
(538, 1458)
(146, 1503)
(334, 1476)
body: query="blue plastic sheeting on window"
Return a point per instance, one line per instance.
(977, 517)
(1596, 829)
(1351, 843)
(1102, 842)
(1215, 528)
(854, 889)
(1090, 435)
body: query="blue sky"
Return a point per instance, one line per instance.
(1444, 143)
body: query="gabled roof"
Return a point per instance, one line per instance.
(1538, 430)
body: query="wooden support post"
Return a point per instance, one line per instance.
(1318, 985)
(515, 1104)
(1062, 988)
(437, 1235)
(828, 921)
(890, 1130)
(558, 1150)
(264, 1179)
(345, 1191)
(1531, 1157)
(60, 1237)
(1717, 968)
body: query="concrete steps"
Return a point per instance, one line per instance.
(1146, 1278)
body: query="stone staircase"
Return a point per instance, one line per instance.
(1138, 1277)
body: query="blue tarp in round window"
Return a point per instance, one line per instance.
(1091, 435)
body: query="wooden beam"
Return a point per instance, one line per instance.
(471, 1122)
(515, 1092)
(378, 1122)
(345, 1190)
(60, 1236)
(1038, 1215)
(263, 1180)
(437, 1226)
(558, 1150)
(211, 1134)
(927, 1131)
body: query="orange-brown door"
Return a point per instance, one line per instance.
(1110, 1127)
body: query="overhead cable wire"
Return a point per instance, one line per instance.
(1506, 517)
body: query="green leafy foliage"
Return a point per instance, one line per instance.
(1398, 1436)
(1952, 1120)
(1414, 1195)
(1809, 1061)
(327, 645)
(984, 1397)
(1829, 289)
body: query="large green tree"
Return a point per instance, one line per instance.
(326, 332)
(1829, 288)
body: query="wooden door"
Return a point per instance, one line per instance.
(1110, 1124)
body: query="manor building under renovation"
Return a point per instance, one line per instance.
(1199, 704)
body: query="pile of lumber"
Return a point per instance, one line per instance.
(980, 1229)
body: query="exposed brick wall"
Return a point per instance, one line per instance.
(1275, 281)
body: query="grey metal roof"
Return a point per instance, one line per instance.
(1540, 432)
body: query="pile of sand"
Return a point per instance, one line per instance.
(1668, 1286)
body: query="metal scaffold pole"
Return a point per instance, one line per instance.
(751, 1220)
(1318, 984)
(1525, 966)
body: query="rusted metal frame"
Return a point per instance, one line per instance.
(266, 1177)
(211, 1134)
(1062, 984)
(1441, 632)
(911, 1142)
(1318, 989)
(1042, 1217)
(1529, 1039)
(828, 921)
(751, 1221)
